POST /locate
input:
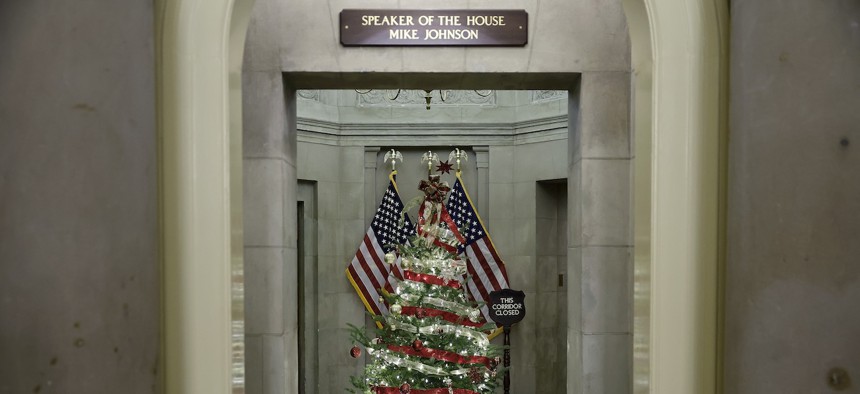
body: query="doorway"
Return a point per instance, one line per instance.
(308, 282)
(340, 147)
(200, 175)
(551, 249)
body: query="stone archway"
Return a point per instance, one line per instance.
(200, 52)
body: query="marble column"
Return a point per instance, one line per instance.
(269, 171)
(600, 240)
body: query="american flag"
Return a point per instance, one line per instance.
(368, 272)
(486, 270)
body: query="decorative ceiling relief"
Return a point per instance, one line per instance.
(416, 98)
(539, 96)
(313, 95)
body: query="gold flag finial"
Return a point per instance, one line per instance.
(393, 155)
(429, 157)
(458, 155)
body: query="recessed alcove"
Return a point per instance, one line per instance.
(515, 140)
(302, 121)
(219, 112)
(522, 145)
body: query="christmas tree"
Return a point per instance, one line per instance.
(434, 341)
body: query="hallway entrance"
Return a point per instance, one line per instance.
(315, 61)
(516, 142)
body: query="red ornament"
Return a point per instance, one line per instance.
(405, 388)
(355, 352)
(417, 344)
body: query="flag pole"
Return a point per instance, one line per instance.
(507, 359)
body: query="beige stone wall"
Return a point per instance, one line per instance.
(600, 238)
(564, 36)
(792, 280)
(80, 310)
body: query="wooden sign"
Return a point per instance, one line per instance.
(507, 306)
(367, 27)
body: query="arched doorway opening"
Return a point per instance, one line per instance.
(678, 51)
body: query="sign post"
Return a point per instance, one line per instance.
(507, 307)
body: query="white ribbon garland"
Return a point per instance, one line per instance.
(414, 365)
(452, 306)
(458, 267)
(419, 286)
(482, 340)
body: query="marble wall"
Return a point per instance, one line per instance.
(513, 219)
(792, 277)
(564, 36)
(270, 214)
(79, 267)
(600, 240)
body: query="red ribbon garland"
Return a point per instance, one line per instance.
(430, 279)
(396, 390)
(431, 312)
(440, 354)
(444, 216)
(449, 248)
(453, 227)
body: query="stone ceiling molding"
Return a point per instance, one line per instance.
(415, 98)
(539, 96)
(552, 128)
(313, 95)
